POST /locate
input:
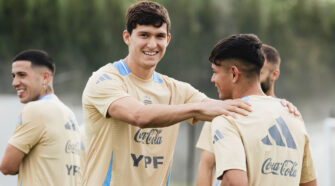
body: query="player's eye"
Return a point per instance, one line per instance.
(144, 35)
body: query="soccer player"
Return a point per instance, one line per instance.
(44, 149)
(269, 74)
(132, 112)
(270, 146)
(271, 69)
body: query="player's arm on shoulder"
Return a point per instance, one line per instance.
(291, 108)
(210, 108)
(205, 170)
(132, 111)
(234, 177)
(11, 161)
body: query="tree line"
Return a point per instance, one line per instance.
(83, 35)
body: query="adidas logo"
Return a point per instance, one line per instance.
(103, 78)
(275, 134)
(217, 136)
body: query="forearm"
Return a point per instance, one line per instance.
(311, 183)
(235, 177)
(9, 172)
(135, 113)
(205, 170)
(157, 115)
(11, 161)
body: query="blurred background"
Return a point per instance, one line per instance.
(83, 35)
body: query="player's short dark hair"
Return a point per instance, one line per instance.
(271, 54)
(245, 48)
(37, 58)
(147, 13)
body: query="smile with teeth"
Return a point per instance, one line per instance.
(150, 53)
(19, 92)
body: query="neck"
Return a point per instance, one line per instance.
(47, 90)
(271, 92)
(248, 89)
(140, 71)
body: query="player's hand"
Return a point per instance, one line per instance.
(292, 109)
(208, 110)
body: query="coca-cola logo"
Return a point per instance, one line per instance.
(286, 168)
(73, 148)
(148, 137)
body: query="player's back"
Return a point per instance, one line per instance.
(270, 143)
(274, 141)
(49, 136)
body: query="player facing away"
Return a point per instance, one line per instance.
(270, 146)
(269, 74)
(44, 148)
(132, 112)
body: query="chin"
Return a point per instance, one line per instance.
(23, 101)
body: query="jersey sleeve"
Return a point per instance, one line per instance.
(308, 171)
(205, 141)
(183, 93)
(228, 146)
(29, 129)
(192, 95)
(103, 89)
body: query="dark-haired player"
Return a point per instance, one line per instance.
(270, 146)
(271, 69)
(131, 110)
(44, 149)
(269, 74)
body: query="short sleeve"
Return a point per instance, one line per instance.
(29, 129)
(192, 95)
(183, 93)
(228, 146)
(205, 141)
(308, 171)
(103, 89)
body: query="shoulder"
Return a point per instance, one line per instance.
(223, 121)
(34, 107)
(108, 75)
(106, 72)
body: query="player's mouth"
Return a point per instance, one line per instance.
(151, 53)
(20, 92)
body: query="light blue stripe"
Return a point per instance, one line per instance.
(217, 182)
(219, 134)
(168, 181)
(156, 78)
(122, 67)
(275, 134)
(21, 183)
(45, 97)
(245, 98)
(107, 76)
(109, 173)
(287, 134)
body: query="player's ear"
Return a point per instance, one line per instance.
(126, 36)
(235, 73)
(276, 74)
(46, 77)
(168, 39)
